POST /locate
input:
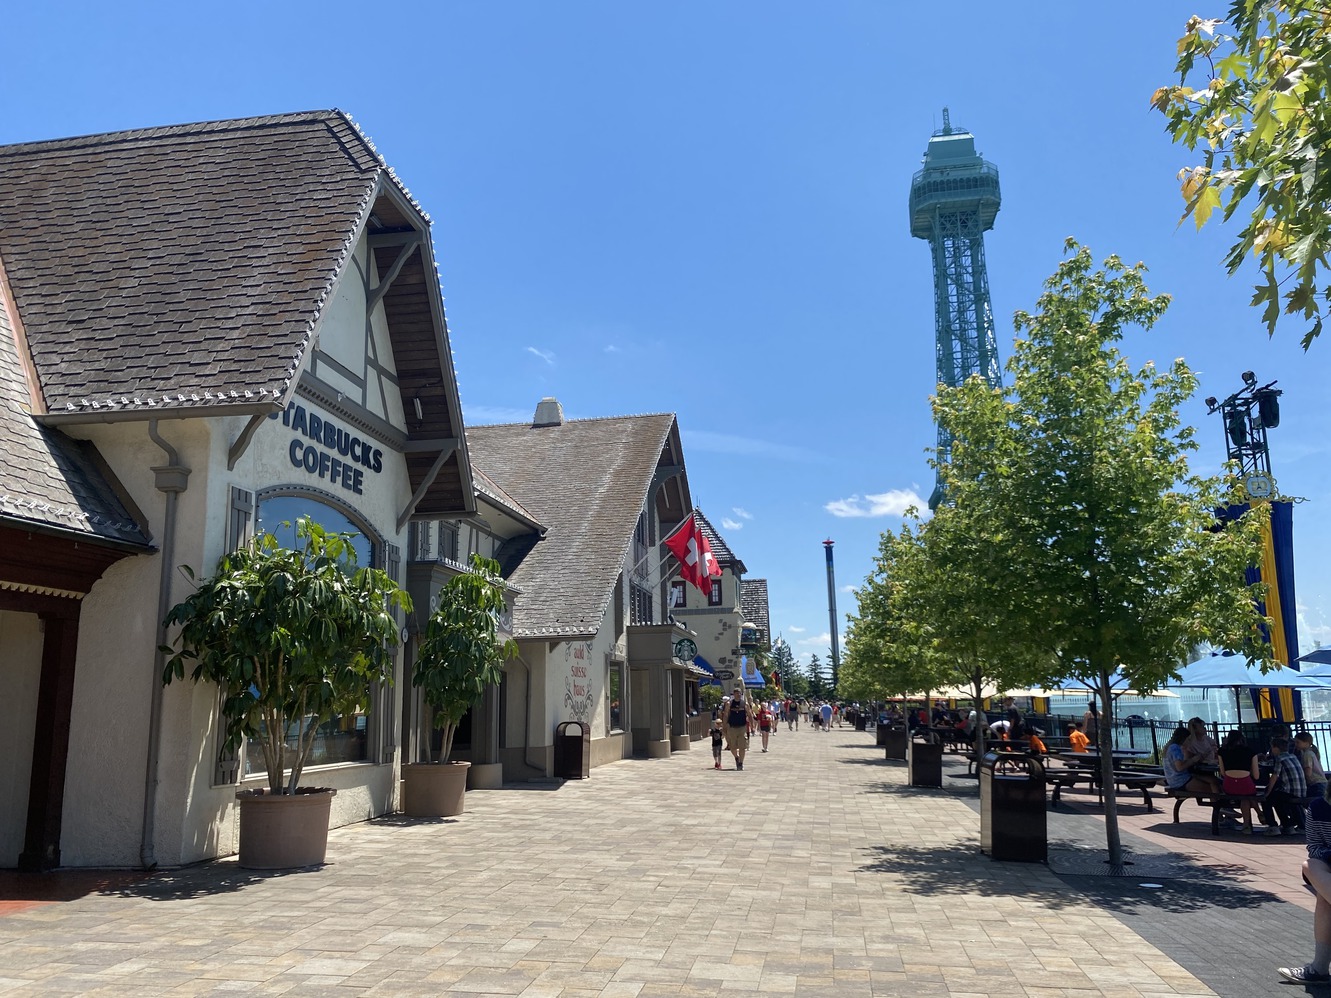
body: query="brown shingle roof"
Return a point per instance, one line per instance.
(587, 481)
(186, 267)
(224, 236)
(753, 605)
(47, 479)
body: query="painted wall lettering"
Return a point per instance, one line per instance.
(334, 454)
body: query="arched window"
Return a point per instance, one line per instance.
(279, 506)
(345, 738)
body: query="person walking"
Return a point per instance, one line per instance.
(739, 717)
(766, 722)
(825, 711)
(718, 739)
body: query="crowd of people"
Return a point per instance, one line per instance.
(739, 717)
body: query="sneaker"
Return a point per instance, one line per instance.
(739, 765)
(1303, 975)
(718, 765)
(1288, 830)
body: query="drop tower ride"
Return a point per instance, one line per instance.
(953, 202)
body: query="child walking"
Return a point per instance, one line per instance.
(718, 739)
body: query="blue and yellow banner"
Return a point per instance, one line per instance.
(1277, 571)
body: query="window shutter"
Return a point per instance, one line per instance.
(240, 519)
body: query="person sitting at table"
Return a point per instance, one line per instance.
(1238, 775)
(1077, 738)
(1313, 773)
(1177, 766)
(1201, 744)
(1286, 789)
(1034, 743)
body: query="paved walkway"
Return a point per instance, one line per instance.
(816, 871)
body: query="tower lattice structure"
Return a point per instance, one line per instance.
(953, 202)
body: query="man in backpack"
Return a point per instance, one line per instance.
(738, 720)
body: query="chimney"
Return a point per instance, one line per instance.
(549, 413)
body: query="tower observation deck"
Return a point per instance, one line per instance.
(953, 202)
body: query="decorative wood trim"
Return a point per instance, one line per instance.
(242, 442)
(36, 398)
(444, 454)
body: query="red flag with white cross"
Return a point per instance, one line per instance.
(697, 564)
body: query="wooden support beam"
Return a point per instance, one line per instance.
(50, 744)
(379, 290)
(430, 476)
(242, 442)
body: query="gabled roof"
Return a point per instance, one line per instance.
(720, 549)
(486, 486)
(587, 480)
(48, 481)
(753, 607)
(187, 268)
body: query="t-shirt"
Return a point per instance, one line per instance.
(826, 711)
(1176, 777)
(1036, 745)
(1078, 741)
(1237, 757)
(1318, 828)
(717, 737)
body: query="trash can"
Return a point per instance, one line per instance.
(573, 750)
(895, 740)
(861, 722)
(881, 733)
(924, 760)
(1013, 822)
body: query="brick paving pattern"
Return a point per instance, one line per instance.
(816, 871)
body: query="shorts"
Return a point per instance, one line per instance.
(737, 739)
(716, 751)
(1240, 786)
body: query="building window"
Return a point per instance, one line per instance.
(345, 737)
(714, 597)
(640, 605)
(678, 599)
(614, 697)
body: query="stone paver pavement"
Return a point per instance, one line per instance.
(813, 872)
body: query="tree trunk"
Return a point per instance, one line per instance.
(1104, 735)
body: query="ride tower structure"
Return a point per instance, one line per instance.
(954, 199)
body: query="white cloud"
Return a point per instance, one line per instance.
(480, 414)
(822, 640)
(796, 630)
(730, 524)
(847, 589)
(611, 348)
(741, 512)
(546, 355)
(891, 503)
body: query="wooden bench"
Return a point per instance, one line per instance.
(1218, 803)
(1067, 777)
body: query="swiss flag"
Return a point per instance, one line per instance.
(697, 564)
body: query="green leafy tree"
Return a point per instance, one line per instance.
(1078, 473)
(793, 683)
(460, 653)
(292, 638)
(1255, 102)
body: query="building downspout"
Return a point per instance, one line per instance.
(170, 479)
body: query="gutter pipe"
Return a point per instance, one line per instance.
(170, 479)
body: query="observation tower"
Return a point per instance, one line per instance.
(953, 201)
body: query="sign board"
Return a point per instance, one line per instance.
(724, 675)
(686, 650)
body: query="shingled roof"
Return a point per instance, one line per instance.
(753, 607)
(47, 480)
(187, 267)
(586, 480)
(725, 557)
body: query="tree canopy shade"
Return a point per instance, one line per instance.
(1078, 477)
(460, 653)
(1259, 112)
(292, 637)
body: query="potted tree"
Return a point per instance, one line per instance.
(293, 637)
(459, 655)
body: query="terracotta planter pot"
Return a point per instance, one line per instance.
(432, 789)
(279, 831)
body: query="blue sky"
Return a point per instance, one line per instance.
(700, 207)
